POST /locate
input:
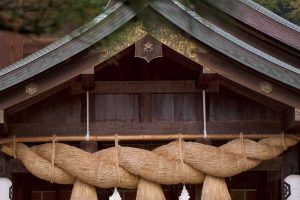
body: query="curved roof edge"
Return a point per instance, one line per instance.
(236, 40)
(261, 19)
(255, 59)
(270, 14)
(60, 42)
(120, 13)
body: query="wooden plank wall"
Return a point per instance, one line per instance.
(227, 112)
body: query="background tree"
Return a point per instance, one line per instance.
(46, 16)
(288, 9)
(49, 16)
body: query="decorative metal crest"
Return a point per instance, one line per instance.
(266, 87)
(31, 89)
(148, 48)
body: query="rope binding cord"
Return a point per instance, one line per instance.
(14, 147)
(53, 159)
(244, 149)
(184, 193)
(116, 195)
(283, 141)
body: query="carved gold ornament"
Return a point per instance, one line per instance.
(31, 89)
(265, 87)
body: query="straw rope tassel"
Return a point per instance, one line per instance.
(204, 114)
(116, 195)
(184, 193)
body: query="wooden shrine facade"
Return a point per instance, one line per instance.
(249, 72)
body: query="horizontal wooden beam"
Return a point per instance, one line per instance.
(117, 87)
(237, 74)
(139, 138)
(66, 72)
(158, 127)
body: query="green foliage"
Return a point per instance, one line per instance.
(288, 9)
(47, 16)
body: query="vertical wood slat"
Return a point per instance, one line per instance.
(57, 109)
(145, 107)
(228, 105)
(177, 107)
(120, 107)
(163, 107)
(11, 48)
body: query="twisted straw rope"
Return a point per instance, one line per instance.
(163, 165)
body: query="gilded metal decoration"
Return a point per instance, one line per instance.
(148, 48)
(118, 41)
(266, 87)
(31, 89)
(159, 29)
(173, 38)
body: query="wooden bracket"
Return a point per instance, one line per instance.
(209, 82)
(291, 120)
(87, 81)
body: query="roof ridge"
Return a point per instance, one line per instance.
(272, 15)
(60, 42)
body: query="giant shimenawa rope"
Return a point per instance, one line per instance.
(146, 170)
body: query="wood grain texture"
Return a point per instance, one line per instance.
(103, 128)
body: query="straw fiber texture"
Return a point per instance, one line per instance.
(174, 163)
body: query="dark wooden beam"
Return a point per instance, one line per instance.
(35, 99)
(66, 72)
(235, 72)
(158, 127)
(125, 87)
(253, 95)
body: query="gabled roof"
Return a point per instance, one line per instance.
(261, 19)
(119, 13)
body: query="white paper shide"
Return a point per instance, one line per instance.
(115, 195)
(184, 194)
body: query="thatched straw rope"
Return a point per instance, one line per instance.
(161, 166)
